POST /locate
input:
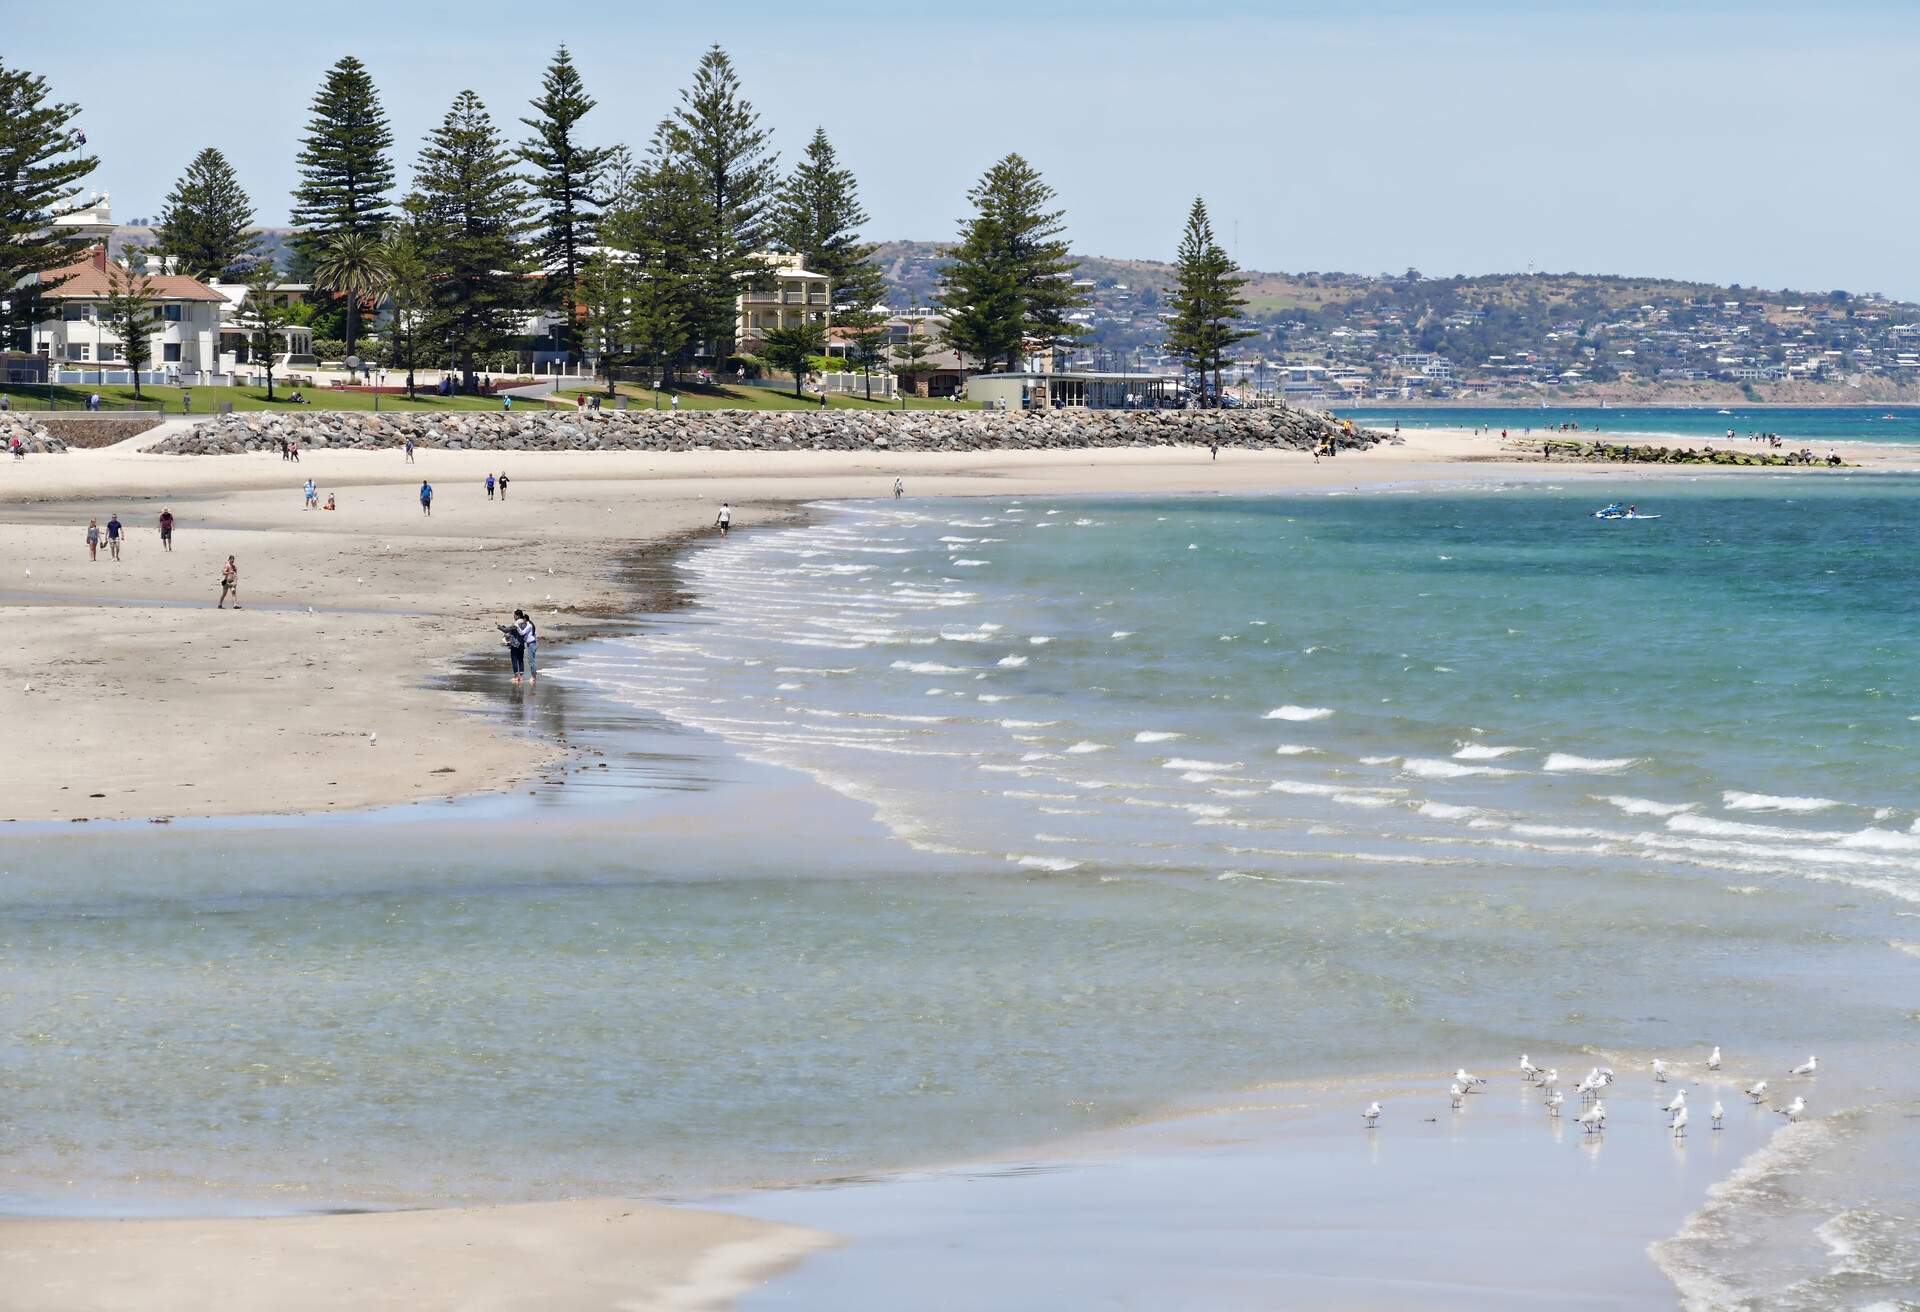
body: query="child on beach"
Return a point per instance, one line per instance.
(166, 530)
(329, 505)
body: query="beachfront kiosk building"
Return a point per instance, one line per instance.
(1092, 391)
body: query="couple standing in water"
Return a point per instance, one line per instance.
(523, 646)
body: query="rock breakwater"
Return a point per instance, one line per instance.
(789, 430)
(32, 434)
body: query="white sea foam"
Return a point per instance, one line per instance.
(1482, 752)
(1882, 840)
(967, 564)
(1643, 806)
(1298, 713)
(1028, 724)
(1378, 760)
(1293, 749)
(1087, 748)
(1738, 801)
(1156, 736)
(1182, 763)
(1039, 640)
(1562, 762)
(928, 667)
(1121, 633)
(1447, 811)
(1206, 809)
(1427, 768)
(1052, 863)
(1688, 823)
(1011, 662)
(1361, 799)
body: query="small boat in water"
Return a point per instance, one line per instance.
(1617, 511)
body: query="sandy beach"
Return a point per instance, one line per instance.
(331, 691)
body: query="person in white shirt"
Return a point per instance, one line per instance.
(725, 518)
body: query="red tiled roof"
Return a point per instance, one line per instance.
(87, 281)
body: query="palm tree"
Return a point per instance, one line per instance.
(355, 266)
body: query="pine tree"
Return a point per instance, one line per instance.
(130, 312)
(41, 168)
(1009, 287)
(818, 216)
(207, 225)
(566, 177)
(265, 313)
(794, 347)
(346, 171)
(474, 220)
(655, 217)
(605, 297)
(1206, 301)
(716, 137)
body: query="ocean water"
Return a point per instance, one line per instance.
(988, 821)
(1796, 425)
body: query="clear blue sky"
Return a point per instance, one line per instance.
(1760, 143)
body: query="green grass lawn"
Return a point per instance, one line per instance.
(208, 400)
(695, 397)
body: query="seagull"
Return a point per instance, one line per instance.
(1758, 1091)
(359, 580)
(1793, 1109)
(1454, 1096)
(1810, 1066)
(1554, 1100)
(1678, 1103)
(1527, 1069)
(1718, 1112)
(1553, 1078)
(1713, 1058)
(1371, 1115)
(1594, 1119)
(1466, 1081)
(1659, 1071)
(373, 740)
(1589, 1086)
(27, 688)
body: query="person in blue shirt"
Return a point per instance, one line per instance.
(426, 498)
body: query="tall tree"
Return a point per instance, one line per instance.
(130, 312)
(265, 313)
(41, 167)
(207, 225)
(818, 216)
(566, 177)
(655, 218)
(715, 135)
(353, 267)
(346, 170)
(409, 295)
(605, 295)
(474, 220)
(1009, 287)
(1207, 301)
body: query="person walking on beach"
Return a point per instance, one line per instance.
(503, 485)
(426, 497)
(313, 495)
(489, 487)
(166, 530)
(293, 449)
(899, 489)
(113, 535)
(530, 638)
(93, 539)
(229, 585)
(409, 450)
(725, 519)
(516, 645)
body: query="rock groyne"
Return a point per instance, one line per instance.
(780, 430)
(33, 434)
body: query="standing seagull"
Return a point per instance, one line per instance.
(1659, 1071)
(1718, 1112)
(1594, 1118)
(1466, 1081)
(1757, 1091)
(1371, 1114)
(1678, 1125)
(1454, 1096)
(1554, 1100)
(1551, 1079)
(1811, 1066)
(1527, 1069)
(1713, 1058)
(1793, 1109)
(1679, 1101)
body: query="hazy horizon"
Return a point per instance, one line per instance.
(1709, 146)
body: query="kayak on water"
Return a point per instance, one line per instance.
(1618, 511)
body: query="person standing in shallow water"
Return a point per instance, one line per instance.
(516, 645)
(530, 639)
(724, 520)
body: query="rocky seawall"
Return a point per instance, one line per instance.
(34, 435)
(788, 430)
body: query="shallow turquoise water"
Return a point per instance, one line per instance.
(1796, 425)
(1186, 795)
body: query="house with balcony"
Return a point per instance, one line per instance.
(784, 293)
(78, 342)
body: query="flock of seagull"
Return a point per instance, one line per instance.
(1593, 1116)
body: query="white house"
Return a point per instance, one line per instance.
(187, 316)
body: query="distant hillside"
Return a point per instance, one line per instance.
(274, 242)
